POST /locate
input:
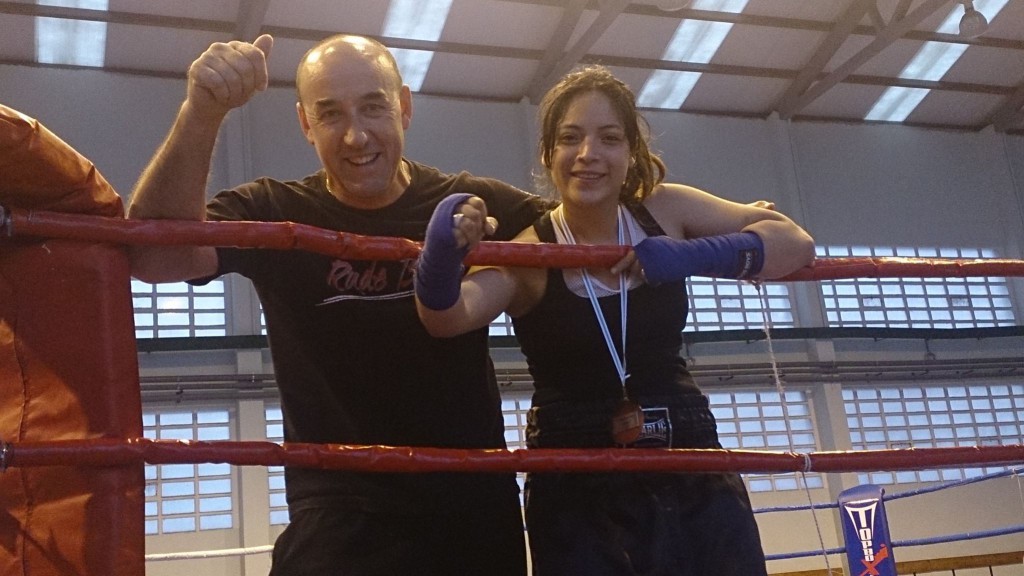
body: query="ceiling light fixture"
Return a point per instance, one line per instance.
(973, 23)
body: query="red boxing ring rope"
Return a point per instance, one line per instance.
(117, 452)
(290, 236)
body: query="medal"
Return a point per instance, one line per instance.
(627, 422)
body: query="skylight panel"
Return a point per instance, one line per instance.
(693, 41)
(415, 20)
(896, 103)
(931, 62)
(74, 42)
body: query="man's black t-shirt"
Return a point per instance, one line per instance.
(352, 361)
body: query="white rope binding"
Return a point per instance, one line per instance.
(209, 553)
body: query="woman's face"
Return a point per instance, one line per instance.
(591, 154)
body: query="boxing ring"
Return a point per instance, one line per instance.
(71, 445)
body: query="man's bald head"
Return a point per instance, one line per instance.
(347, 46)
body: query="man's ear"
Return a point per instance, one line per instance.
(303, 121)
(405, 100)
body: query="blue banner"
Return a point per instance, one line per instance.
(866, 531)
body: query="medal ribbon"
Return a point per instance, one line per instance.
(620, 362)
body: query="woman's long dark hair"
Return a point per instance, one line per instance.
(646, 169)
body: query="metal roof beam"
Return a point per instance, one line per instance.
(825, 52)
(876, 17)
(115, 17)
(1011, 112)
(892, 32)
(901, 10)
(610, 10)
(139, 19)
(570, 19)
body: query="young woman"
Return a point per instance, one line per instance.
(603, 346)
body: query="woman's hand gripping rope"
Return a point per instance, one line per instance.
(458, 224)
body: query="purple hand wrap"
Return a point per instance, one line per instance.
(738, 255)
(439, 270)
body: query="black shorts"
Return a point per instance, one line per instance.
(624, 524)
(350, 541)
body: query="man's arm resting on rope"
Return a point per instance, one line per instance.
(173, 185)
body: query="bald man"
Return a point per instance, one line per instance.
(353, 363)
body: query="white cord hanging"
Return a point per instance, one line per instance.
(785, 417)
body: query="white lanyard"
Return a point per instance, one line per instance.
(620, 362)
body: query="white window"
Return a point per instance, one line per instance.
(933, 416)
(718, 305)
(766, 420)
(187, 497)
(179, 310)
(975, 302)
(735, 305)
(275, 474)
(501, 326)
(514, 406)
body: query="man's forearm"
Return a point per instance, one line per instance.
(173, 185)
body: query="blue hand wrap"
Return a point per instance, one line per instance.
(738, 255)
(439, 270)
